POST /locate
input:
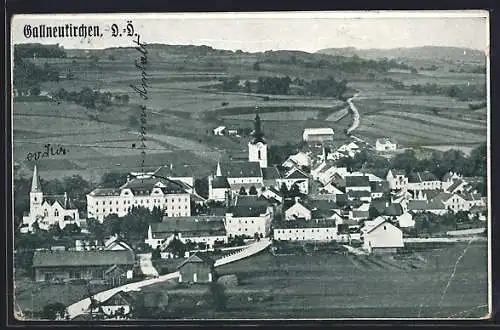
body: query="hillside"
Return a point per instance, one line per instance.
(425, 52)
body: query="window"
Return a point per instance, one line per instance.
(96, 203)
(56, 213)
(110, 202)
(385, 228)
(117, 202)
(97, 211)
(110, 210)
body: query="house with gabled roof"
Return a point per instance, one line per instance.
(249, 220)
(324, 230)
(385, 145)
(198, 268)
(298, 211)
(435, 206)
(380, 236)
(298, 160)
(297, 177)
(458, 186)
(116, 307)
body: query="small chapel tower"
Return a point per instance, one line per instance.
(257, 147)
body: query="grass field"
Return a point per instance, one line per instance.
(337, 286)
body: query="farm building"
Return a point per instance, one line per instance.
(48, 210)
(381, 236)
(303, 230)
(198, 268)
(88, 265)
(383, 145)
(318, 134)
(208, 230)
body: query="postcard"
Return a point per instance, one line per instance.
(251, 166)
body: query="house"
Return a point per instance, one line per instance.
(478, 212)
(384, 145)
(298, 211)
(219, 189)
(435, 206)
(207, 230)
(323, 209)
(303, 230)
(198, 268)
(332, 173)
(241, 174)
(48, 210)
(378, 189)
(87, 265)
(116, 307)
(453, 202)
(295, 177)
(300, 159)
(397, 179)
(272, 193)
(181, 173)
(248, 220)
(457, 186)
(331, 189)
(423, 181)
(360, 212)
(147, 191)
(357, 183)
(114, 243)
(316, 170)
(359, 195)
(349, 149)
(449, 178)
(405, 220)
(271, 176)
(318, 134)
(380, 236)
(219, 130)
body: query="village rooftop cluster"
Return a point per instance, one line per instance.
(307, 199)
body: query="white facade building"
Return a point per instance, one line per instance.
(384, 145)
(149, 192)
(379, 235)
(48, 210)
(298, 211)
(397, 179)
(315, 230)
(248, 220)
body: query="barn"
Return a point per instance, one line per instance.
(198, 268)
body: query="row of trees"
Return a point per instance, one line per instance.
(459, 92)
(328, 87)
(91, 99)
(39, 50)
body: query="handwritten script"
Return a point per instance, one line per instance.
(49, 151)
(142, 90)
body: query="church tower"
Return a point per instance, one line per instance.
(36, 194)
(257, 147)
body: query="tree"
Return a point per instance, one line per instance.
(248, 86)
(218, 296)
(252, 191)
(54, 310)
(243, 191)
(35, 91)
(256, 66)
(201, 187)
(113, 179)
(295, 191)
(284, 190)
(156, 254)
(373, 212)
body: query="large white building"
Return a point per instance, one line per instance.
(314, 230)
(48, 210)
(146, 191)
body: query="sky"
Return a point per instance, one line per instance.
(254, 32)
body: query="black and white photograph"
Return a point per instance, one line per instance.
(329, 165)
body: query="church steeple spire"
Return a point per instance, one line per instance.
(35, 182)
(258, 135)
(219, 172)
